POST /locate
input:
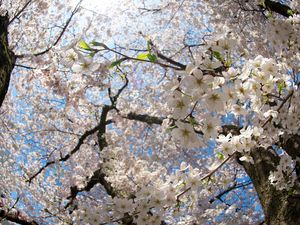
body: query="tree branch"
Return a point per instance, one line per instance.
(7, 58)
(66, 157)
(144, 118)
(279, 8)
(126, 57)
(207, 175)
(167, 59)
(19, 13)
(16, 216)
(230, 188)
(98, 177)
(59, 36)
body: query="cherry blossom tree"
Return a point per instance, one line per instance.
(150, 112)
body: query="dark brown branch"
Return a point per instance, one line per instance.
(279, 8)
(291, 145)
(171, 61)
(7, 58)
(101, 127)
(16, 217)
(25, 67)
(113, 99)
(130, 49)
(19, 13)
(144, 118)
(126, 57)
(233, 129)
(167, 59)
(150, 120)
(155, 10)
(152, 10)
(97, 178)
(230, 188)
(66, 157)
(160, 55)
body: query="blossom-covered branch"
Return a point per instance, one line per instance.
(67, 156)
(98, 177)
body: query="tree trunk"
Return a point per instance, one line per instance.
(7, 58)
(280, 207)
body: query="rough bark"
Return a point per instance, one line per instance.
(279, 8)
(7, 58)
(280, 207)
(16, 217)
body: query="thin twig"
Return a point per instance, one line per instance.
(207, 175)
(59, 36)
(19, 13)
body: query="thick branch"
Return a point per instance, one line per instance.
(102, 128)
(144, 118)
(150, 120)
(280, 206)
(99, 175)
(291, 145)
(7, 58)
(16, 217)
(97, 178)
(279, 8)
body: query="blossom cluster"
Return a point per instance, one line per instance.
(259, 89)
(284, 177)
(145, 196)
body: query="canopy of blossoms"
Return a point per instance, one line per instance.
(150, 112)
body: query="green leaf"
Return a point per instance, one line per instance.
(152, 57)
(142, 56)
(228, 62)
(84, 45)
(220, 155)
(281, 86)
(270, 15)
(170, 128)
(290, 12)
(218, 56)
(122, 76)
